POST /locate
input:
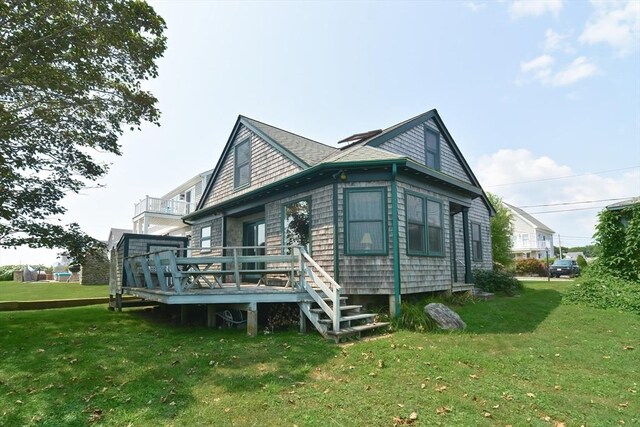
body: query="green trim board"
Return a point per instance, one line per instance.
(382, 219)
(336, 251)
(396, 239)
(295, 159)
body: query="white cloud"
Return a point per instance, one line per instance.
(541, 69)
(616, 24)
(580, 68)
(555, 41)
(509, 166)
(541, 62)
(520, 8)
(474, 6)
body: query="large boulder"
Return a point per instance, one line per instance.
(444, 316)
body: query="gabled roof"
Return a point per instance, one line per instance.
(309, 154)
(624, 204)
(528, 218)
(309, 151)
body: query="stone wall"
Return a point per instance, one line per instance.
(95, 270)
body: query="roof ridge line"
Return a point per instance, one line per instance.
(288, 131)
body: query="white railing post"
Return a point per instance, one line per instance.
(236, 273)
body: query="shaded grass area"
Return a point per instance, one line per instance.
(524, 360)
(37, 291)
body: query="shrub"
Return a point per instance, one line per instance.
(531, 267)
(498, 281)
(6, 272)
(413, 318)
(582, 263)
(600, 288)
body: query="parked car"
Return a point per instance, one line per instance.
(564, 267)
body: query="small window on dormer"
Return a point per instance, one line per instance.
(242, 170)
(432, 148)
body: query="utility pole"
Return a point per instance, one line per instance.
(560, 245)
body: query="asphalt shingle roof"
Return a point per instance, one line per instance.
(308, 150)
(624, 203)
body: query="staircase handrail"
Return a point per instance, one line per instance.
(334, 288)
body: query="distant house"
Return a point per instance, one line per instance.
(574, 255)
(162, 216)
(530, 238)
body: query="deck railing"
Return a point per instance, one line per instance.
(177, 270)
(539, 245)
(165, 206)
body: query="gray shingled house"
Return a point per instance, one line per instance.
(388, 212)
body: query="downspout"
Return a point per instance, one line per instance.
(396, 236)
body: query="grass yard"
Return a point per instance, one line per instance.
(527, 360)
(36, 291)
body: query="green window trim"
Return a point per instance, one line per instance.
(238, 165)
(350, 224)
(205, 239)
(476, 240)
(416, 222)
(431, 150)
(427, 229)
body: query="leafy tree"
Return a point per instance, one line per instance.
(70, 83)
(582, 263)
(501, 231)
(618, 239)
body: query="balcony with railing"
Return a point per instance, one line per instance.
(539, 245)
(163, 206)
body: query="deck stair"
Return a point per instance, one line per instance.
(329, 311)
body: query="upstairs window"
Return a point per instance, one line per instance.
(431, 148)
(242, 170)
(365, 221)
(476, 241)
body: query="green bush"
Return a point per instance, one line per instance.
(413, 318)
(497, 281)
(531, 267)
(600, 288)
(6, 272)
(582, 263)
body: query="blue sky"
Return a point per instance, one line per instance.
(530, 91)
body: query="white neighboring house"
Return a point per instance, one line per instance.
(530, 237)
(162, 216)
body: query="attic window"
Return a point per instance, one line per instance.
(431, 148)
(242, 170)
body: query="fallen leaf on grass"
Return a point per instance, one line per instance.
(400, 421)
(556, 387)
(623, 405)
(96, 415)
(443, 410)
(473, 376)
(531, 395)
(440, 389)
(380, 364)
(628, 347)
(486, 414)
(559, 424)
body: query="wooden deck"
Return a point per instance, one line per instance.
(246, 293)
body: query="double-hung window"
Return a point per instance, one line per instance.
(205, 238)
(476, 241)
(432, 148)
(424, 226)
(366, 221)
(416, 238)
(242, 169)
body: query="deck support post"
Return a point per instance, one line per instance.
(184, 312)
(252, 319)
(303, 322)
(118, 301)
(211, 316)
(394, 305)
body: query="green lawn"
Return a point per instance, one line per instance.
(527, 360)
(36, 291)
